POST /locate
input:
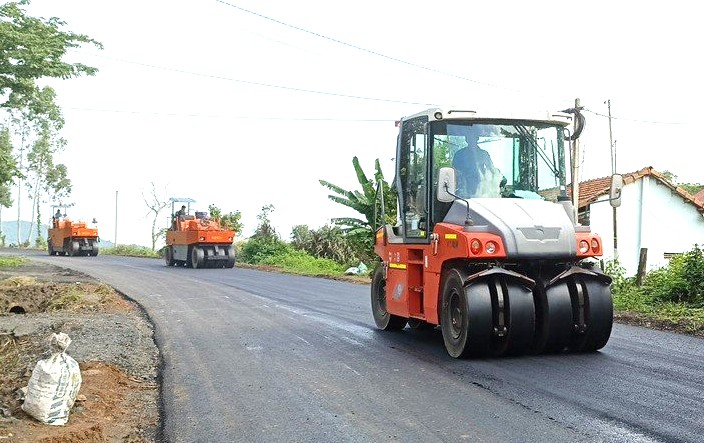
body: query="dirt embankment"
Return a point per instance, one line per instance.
(111, 340)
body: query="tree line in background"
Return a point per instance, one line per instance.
(30, 120)
(330, 249)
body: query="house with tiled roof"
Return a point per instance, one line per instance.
(654, 215)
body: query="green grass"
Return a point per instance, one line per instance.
(299, 262)
(12, 262)
(130, 251)
(633, 302)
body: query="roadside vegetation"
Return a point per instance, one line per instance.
(671, 297)
(130, 251)
(11, 262)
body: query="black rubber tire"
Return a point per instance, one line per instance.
(519, 319)
(197, 257)
(555, 332)
(599, 317)
(75, 248)
(383, 320)
(94, 248)
(230, 263)
(50, 248)
(169, 256)
(465, 316)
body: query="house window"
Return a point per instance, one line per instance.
(583, 216)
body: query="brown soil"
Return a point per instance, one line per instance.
(112, 405)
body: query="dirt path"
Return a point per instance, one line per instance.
(111, 340)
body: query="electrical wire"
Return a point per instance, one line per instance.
(635, 121)
(267, 85)
(359, 48)
(234, 117)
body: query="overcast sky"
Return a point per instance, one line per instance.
(247, 103)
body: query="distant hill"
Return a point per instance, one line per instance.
(9, 230)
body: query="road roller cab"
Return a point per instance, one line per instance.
(487, 243)
(71, 237)
(196, 240)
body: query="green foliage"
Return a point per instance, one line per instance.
(265, 242)
(257, 250)
(682, 281)
(231, 221)
(265, 231)
(360, 231)
(329, 242)
(130, 251)
(12, 262)
(8, 167)
(32, 48)
(299, 262)
(40, 242)
(692, 188)
(671, 294)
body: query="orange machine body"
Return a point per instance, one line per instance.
(199, 242)
(67, 237)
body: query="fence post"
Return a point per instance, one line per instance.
(641, 265)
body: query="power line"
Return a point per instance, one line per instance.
(234, 117)
(369, 51)
(267, 85)
(633, 120)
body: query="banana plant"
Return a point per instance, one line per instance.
(365, 201)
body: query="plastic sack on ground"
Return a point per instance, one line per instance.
(54, 384)
(360, 269)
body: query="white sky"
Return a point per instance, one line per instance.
(181, 101)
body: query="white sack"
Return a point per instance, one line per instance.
(54, 384)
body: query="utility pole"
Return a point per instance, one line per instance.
(575, 167)
(116, 218)
(613, 171)
(19, 186)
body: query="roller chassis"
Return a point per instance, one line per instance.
(200, 256)
(491, 310)
(73, 238)
(494, 256)
(197, 241)
(76, 246)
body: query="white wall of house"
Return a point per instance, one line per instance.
(651, 216)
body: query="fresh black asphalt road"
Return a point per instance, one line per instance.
(252, 356)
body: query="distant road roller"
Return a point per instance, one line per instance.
(487, 244)
(69, 237)
(197, 240)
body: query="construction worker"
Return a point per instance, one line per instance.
(181, 212)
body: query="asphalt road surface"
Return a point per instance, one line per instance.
(251, 356)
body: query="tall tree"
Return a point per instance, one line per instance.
(8, 164)
(155, 205)
(32, 48)
(45, 178)
(265, 231)
(8, 171)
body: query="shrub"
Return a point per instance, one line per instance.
(300, 262)
(682, 281)
(256, 250)
(329, 242)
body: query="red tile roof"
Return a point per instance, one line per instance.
(592, 190)
(700, 196)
